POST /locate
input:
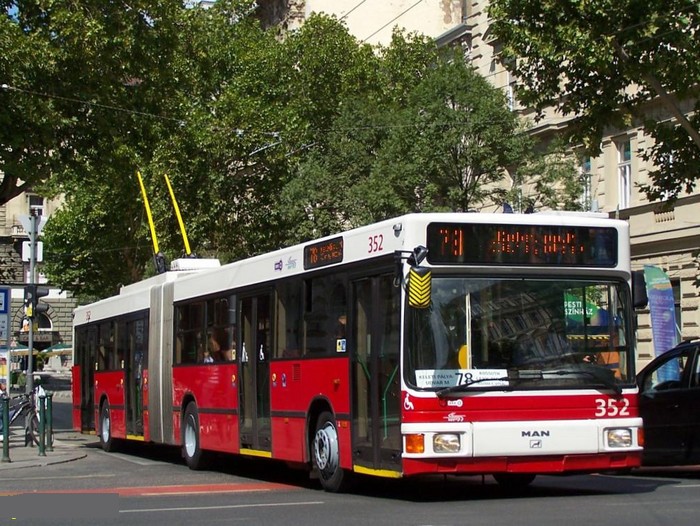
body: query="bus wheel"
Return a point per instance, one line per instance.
(191, 449)
(514, 481)
(106, 440)
(326, 454)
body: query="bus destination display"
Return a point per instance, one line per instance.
(482, 244)
(323, 253)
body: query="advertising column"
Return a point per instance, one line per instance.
(662, 309)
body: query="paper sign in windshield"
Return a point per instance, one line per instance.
(440, 378)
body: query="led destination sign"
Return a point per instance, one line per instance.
(484, 244)
(323, 253)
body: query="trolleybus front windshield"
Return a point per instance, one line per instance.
(520, 334)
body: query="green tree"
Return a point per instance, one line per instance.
(271, 108)
(329, 192)
(440, 139)
(81, 81)
(227, 158)
(117, 87)
(95, 248)
(600, 62)
(267, 142)
(456, 141)
(246, 109)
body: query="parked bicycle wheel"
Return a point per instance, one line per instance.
(34, 432)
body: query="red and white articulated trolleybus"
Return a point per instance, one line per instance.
(497, 344)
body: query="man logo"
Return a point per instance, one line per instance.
(534, 434)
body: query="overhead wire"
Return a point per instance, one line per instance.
(89, 103)
(349, 12)
(392, 20)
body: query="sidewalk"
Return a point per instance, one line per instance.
(68, 445)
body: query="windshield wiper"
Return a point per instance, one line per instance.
(604, 376)
(455, 388)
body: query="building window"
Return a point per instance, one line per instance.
(624, 169)
(676, 286)
(36, 205)
(586, 193)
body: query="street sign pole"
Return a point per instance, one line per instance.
(32, 265)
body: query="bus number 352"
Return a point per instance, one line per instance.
(375, 244)
(610, 407)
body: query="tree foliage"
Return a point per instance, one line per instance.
(437, 138)
(85, 82)
(118, 248)
(601, 62)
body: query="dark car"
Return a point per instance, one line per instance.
(669, 404)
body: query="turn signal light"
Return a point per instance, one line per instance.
(415, 443)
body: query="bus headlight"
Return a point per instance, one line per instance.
(618, 437)
(446, 443)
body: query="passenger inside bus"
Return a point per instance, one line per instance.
(218, 347)
(340, 341)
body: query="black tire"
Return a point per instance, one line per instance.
(514, 481)
(107, 441)
(191, 448)
(325, 455)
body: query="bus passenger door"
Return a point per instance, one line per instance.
(375, 330)
(86, 357)
(134, 363)
(254, 372)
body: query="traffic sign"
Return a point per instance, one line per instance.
(27, 223)
(27, 251)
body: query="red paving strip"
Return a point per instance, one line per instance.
(192, 489)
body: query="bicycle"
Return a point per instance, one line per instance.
(22, 406)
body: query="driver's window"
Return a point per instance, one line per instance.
(695, 378)
(667, 376)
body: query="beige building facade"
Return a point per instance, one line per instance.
(371, 21)
(665, 237)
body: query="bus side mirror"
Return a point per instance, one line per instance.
(417, 256)
(419, 283)
(639, 290)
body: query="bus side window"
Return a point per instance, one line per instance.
(105, 347)
(325, 301)
(288, 321)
